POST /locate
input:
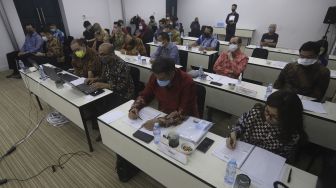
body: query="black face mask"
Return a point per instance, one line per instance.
(233, 10)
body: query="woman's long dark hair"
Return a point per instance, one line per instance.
(290, 113)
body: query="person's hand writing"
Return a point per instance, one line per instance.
(133, 113)
(231, 141)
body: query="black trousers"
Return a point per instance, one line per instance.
(12, 57)
(230, 32)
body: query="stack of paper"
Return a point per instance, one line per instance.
(240, 153)
(313, 106)
(145, 114)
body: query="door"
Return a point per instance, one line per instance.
(171, 8)
(41, 13)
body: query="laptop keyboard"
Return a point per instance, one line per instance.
(67, 77)
(87, 89)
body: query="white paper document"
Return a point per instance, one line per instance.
(112, 116)
(193, 129)
(145, 114)
(313, 106)
(240, 153)
(78, 81)
(263, 167)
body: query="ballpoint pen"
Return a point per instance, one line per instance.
(289, 176)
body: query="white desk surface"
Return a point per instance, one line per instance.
(68, 93)
(193, 50)
(278, 65)
(277, 50)
(195, 39)
(204, 167)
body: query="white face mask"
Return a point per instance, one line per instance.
(306, 62)
(159, 43)
(44, 38)
(140, 27)
(233, 47)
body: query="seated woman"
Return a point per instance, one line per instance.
(276, 126)
(133, 46)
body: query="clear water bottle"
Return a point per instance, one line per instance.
(139, 58)
(187, 45)
(269, 90)
(240, 78)
(157, 133)
(230, 172)
(43, 76)
(22, 66)
(170, 36)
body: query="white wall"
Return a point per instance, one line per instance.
(298, 21)
(5, 46)
(145, 8)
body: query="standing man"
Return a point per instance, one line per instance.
(231, 21)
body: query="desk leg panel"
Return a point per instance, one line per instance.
(149, 162)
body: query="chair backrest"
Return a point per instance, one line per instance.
(260, 53)
(138, 86)
(201, 92)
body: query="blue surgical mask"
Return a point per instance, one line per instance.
(163, 83)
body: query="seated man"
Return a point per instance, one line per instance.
(306, 77)
(174, 34)
(33, 43)
(115, 73)
(85, 61)
(174, 90)
(117, 36)
(270, 39)
(233, 62)
(166, 49)
(57, 33)
(206, 40)
(162, 24)
(53, 52)
(133, 46)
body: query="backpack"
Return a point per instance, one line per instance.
(125, 169)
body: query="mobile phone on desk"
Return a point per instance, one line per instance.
(216, 83)
(143, 136)
(205, 145)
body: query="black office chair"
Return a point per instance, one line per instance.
(260, 53)
(138, 85)
(201, 92)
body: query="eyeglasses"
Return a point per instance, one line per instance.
(272, 117)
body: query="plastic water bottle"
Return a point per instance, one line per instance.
(200, 71)
(230, 172)
(43, 76)
(240, 78)
(157, 133)
(269, 90)
(139, 58)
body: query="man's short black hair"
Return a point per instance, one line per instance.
(235, 5)
(86, 23)
(210, 28)
(117, 23)
(310, 46)
(163, 65)
(164, 36)
(151, 17)
(30, 24)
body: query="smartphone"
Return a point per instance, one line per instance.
(205, 145)
(143, 136)
(97, 92)
(216, 83)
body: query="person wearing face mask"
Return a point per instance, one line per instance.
(117, 36)
(84, 61)
(306, 77)
(166, 49)
(231, 22)
(33, 44)
(152, 23)
(174, 34)
(174, 90)
(270, 39)
(233, 62)
(195, 28)
(53, 50)
(133, 46)
(276, 126)
(88, 34)
(206, 41)
(162, 24)
(57, 33)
